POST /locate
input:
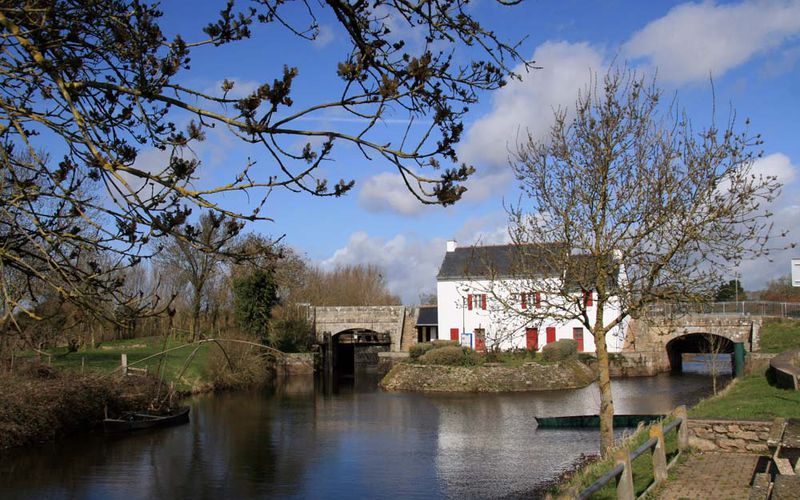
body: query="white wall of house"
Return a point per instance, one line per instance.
(503, 327)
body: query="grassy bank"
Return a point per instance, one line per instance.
(207, 369)
(750, 398)
(642, 466)
(778, 335)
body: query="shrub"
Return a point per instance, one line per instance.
(586, 357)
(560, 350)
(291, 335)
(418, 350)
(450, 355)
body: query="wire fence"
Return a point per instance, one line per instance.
(740, 308)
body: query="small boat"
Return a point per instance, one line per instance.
(134, 421)
(593, 421)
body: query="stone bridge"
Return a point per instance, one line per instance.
(658, 341)
(398, 321)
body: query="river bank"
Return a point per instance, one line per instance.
(46, 399)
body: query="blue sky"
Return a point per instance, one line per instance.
(751, 49)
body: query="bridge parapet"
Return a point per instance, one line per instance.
(652, 333)
(397, 321)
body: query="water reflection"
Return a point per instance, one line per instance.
(305, 439)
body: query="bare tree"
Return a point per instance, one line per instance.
(711, 348)
(196, 266)
(99, 82)
(625, 204)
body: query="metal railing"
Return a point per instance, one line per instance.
(622, 472)
(740, 308)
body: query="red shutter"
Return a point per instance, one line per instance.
(483, 301)
(538, 299)
(587, 296)
(469, 302)
(454, 334)
(524, 300)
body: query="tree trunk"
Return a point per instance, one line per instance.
(195, 316)
(606, 399)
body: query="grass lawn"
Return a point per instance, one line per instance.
(778, 335)
(750, 398)
(107, 358)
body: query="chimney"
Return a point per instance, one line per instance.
(451, 245)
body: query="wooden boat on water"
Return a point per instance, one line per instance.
(593, 421)
(134, 421)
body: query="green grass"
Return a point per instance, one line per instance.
(778, 335)
(750, 398)
(106, 358)
(642, 467)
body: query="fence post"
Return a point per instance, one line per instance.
(625, 489)
(659, 454)
(683, 428)
(124, 363)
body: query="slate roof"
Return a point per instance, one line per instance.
(428, 316)
(512, 261)
(494, 261)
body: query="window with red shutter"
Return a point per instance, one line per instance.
(538, 299)
(469, 302)
(483, 301)
(524, 300)
(587, 299)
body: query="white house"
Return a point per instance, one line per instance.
(479, 300)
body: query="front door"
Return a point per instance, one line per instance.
(480, 339)
(551, 334)
(454, 334)
(532, 338)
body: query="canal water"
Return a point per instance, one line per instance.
(301, 439)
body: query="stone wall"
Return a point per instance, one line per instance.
(757, 362)
(638, 364)
(732, 436)
(409, 328)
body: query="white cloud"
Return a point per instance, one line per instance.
(776, 165)
(525, 107)
(697, 39)
(325, 36)
(386, 192)
(410, 265)
(757, 273)
(786, 212)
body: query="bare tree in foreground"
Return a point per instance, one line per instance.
(629, 205)
(98, 83)
(712, 347)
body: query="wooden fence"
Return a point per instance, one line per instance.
(622, 472)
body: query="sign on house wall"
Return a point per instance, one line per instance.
(795, 272)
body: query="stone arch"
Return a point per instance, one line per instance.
(696, 342)
(356, 348)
